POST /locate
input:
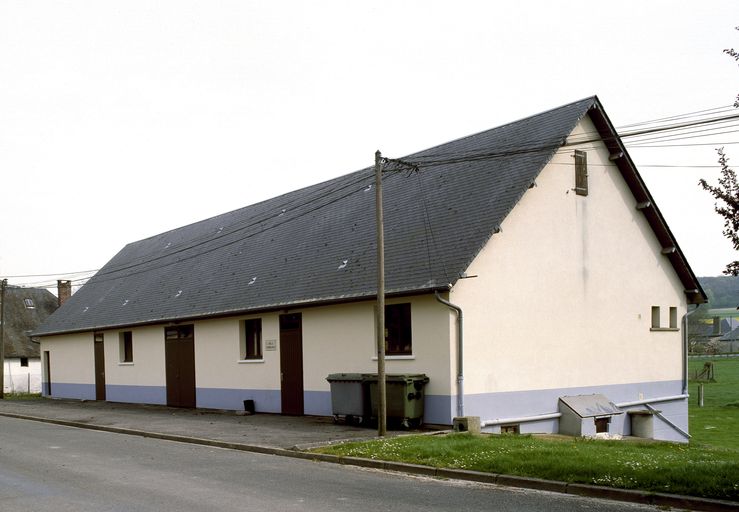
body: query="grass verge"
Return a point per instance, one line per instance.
(22, 396)
(651, 466)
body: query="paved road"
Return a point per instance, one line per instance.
(50, 467)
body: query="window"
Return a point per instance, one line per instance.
(251, 340)
(673, 318)
(24, 362)
(179, 332)
(657, 320)
(601, 424)
(29, 303)
(581, 173)
(125, 344)
(398, 340)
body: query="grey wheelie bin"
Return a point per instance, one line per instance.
(349, 396)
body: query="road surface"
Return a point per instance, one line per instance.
(55, 468)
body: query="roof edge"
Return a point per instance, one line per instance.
(692, 287)
(310, 303)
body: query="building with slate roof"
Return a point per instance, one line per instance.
(24, 311)
(729, 342)
(545, 214)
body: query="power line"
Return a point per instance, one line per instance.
(703, 113)
(53, 274)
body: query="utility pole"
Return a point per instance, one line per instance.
(3, 285)
(380, 316)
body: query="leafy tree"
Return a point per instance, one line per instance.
(726, 193)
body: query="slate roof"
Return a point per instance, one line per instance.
(317, 244)
(21, 321)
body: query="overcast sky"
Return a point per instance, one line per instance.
(120, 120)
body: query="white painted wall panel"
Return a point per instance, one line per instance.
(564, 293)
(72, 358)
(22, 379)
(147, 368)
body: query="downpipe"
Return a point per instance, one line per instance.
(460, 353)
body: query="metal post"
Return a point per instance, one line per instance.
(700, 395)
(380, 314)
(3, 285)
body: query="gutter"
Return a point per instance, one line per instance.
(460, 353)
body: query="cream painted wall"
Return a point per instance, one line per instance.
(147, 368)
(218, 352)
(72, 358)
(341, 338)
(337, 338)
(564, 293)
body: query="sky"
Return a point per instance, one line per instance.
(123, 119)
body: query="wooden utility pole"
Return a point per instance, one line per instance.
(380, 316)
(3, 285)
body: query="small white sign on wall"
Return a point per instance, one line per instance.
(270, 345)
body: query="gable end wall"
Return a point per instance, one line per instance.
(562, 299)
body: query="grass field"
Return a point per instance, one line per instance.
(717, 423)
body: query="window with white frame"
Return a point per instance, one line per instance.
(251, 340)
(125, 346)
(398, 335)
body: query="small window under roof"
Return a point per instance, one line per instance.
(29, 303)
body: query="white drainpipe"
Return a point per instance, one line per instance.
(460, 355)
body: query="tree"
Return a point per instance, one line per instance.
(726, 193)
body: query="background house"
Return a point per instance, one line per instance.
(713, 330)
(25, 309)
(547, 214)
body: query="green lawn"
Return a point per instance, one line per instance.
(707, 467)
(651, 466)
(717, 423)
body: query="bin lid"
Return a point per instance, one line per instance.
(348, 377)
(399, 377)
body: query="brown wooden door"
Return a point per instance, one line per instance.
(99, 366)
(179, 354)
(291, 363)
(47, 365)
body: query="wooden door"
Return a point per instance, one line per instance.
(179, 354)
(47, 367)
(291, 363)
(99, 366)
